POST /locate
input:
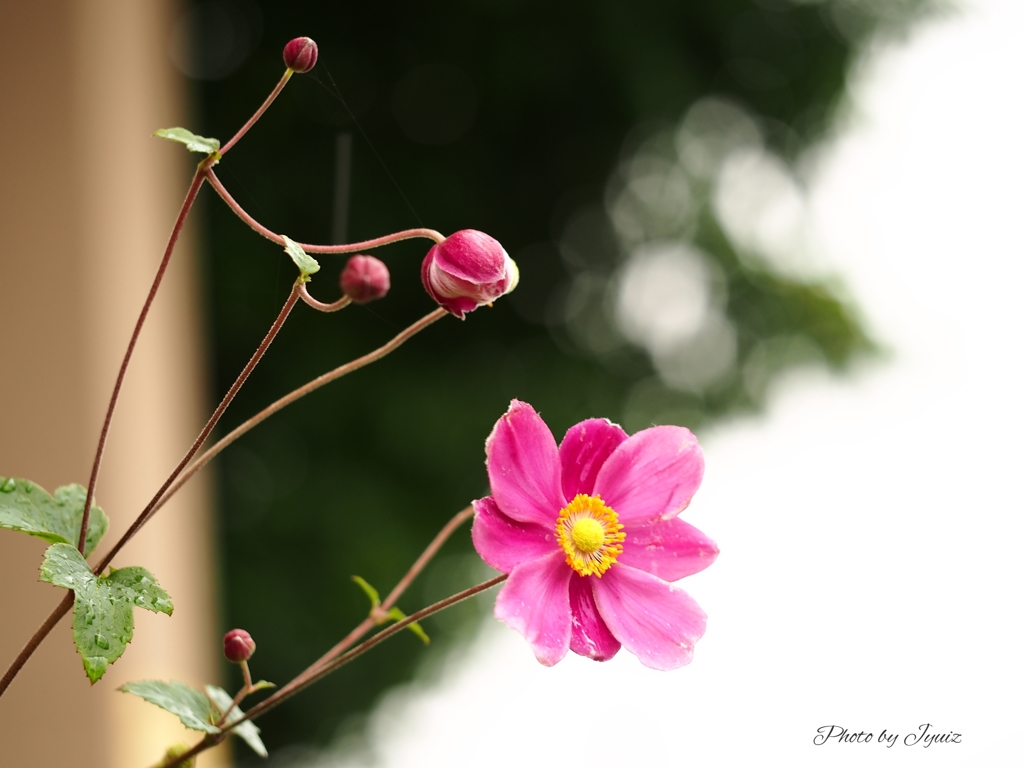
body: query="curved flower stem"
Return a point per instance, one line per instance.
(155, 502)
(313, 673)
(370, 622)
(290, 398)
(341, 303)
(259, 112)
(407, 234)
(186, 206)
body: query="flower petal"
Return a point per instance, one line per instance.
(535, 603)
(669, 549)
(652, 475)
(523, 467)
(590, 635)
(504, 543)
(652, 618)
(584, 449)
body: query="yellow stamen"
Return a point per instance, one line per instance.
(589, 532)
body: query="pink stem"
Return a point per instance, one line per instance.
(407, 234)
(186, 206)
(341, 303)
(259, 112)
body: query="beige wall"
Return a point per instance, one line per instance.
(87, 199)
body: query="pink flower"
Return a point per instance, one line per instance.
(467, 270)
(589, 534)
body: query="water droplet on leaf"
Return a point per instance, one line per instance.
(9, 485)
(102, 642)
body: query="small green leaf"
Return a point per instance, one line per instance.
(190, 140)
(262, 685)
(190, 705)
(247, 731)
(415, 627)
(307, 264)
(103, 620)
(370, 591)
(26, 507)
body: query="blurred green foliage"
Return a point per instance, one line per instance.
(520, 131)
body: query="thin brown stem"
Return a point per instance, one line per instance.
(186, 206)
(366, 245)
(313, 673)
(155, 502)
(247, 688)
(290, 398)
(36, 639)
(369, 623)
(334, 306)
(259, 112)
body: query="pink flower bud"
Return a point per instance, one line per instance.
(300, 54)
(238, 646)
(467, 270)
(364, 279)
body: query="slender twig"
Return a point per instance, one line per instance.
(366, 245)
(186, 206)
(334, 306)
(259, 112)
(36, 639)
(370, 622)
(151, 508)
(313, 673)
(247, 688)
(290, 398)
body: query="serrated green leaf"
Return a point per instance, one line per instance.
(103, 620)
(191, 706)
(370, 591)
(415, 627)
(26, 507)
(247, 731)
(307, 264)
(192, 142)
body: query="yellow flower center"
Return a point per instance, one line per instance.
(590, 533)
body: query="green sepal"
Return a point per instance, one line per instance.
(191, 706)
(26, 507)
(394, 613)
(307, 264)
(370, 591)
(247, 731)
(103, 621)
(415, 627)
(192, 142)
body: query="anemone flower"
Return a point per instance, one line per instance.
(589, 534)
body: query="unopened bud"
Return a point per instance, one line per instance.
(364, 279)
(300, 54)
(238, 646)
(467, 270)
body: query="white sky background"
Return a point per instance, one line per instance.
(870, 526)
